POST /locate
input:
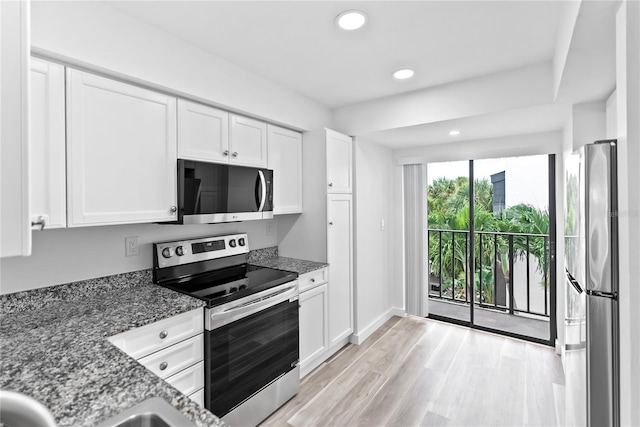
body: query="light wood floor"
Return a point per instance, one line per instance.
(420, 372)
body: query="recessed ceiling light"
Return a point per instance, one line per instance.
(454, 132)
(403, 73)
(351, 20)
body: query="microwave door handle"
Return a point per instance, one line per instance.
(263, 194)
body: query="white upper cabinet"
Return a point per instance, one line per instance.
(14, 132)
(285, 158)
(203, 132)
(247, 141)
(339, 162)
(47, 133)
(121, 152)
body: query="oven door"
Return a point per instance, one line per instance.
(244, 356)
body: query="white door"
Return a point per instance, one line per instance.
(47, 133)
(121, 152)
(247, 141)
(314, 334)
(285, 158)
(203, 132)
(339, 164)
(340, 259)
(15, 224)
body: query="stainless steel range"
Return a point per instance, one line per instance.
(251, 324)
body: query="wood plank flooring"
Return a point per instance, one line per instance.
(420, 372)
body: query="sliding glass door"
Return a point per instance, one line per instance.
(493, 272)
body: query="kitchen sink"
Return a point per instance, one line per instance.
(153, 412)
(17, 409)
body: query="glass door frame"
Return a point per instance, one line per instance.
(553, 331)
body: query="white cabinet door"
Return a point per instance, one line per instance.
(47, 133)
(340, 259)
(121, 152)
(339, 162)
(314, 334)
(14, 129)
(203, 132)
(285, 158)
(247, 141)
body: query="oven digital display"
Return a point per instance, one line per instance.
(213, 245)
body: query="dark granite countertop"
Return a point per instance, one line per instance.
(53, 347)
(295, 265)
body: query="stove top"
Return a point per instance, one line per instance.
(213, 269)
(229, 284)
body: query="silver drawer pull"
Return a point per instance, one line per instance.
(163, 366)
(313, 280)
(163, 334)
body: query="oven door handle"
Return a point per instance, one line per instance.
(224, 316)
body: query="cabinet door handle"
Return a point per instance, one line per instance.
(225, 153)
(330, 222)
(331, 185)
(163, 334)
(173, 209)
(313, 280)
(235, 154)
(40, 222)
(163, 366)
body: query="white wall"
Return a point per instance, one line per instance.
(100, 36)
(373, 255)
(628, 132)
(67, 255)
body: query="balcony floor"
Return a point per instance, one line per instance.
(515, 324)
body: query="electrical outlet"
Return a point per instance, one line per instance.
(131, 246)
(269, 228)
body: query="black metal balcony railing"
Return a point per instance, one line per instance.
(449, 273)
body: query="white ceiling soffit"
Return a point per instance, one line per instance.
(297, 44)
(528, 120)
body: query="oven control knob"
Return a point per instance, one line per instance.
(166, 252)
(241, 241)
(179, 251)
(232, 243)
(232, 290)
(243, 287)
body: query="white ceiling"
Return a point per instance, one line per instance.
(296, 44)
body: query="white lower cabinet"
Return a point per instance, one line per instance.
(171, 348)
(314, 330)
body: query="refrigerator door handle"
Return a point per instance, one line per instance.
(610, 295)
(574, 282)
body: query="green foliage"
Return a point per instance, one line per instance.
(448, 202)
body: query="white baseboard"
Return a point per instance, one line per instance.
(400, 312)
(358, 338)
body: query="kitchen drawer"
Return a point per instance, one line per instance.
(148, 339)
(190, 380)
(312, 279)
(169, 361)
(198, 397)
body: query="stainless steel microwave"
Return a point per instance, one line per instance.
(211, 192)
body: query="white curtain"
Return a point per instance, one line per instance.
(415, 238)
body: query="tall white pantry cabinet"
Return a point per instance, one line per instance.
(328, 177)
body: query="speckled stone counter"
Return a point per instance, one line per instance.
(53, 347)
(268, 257)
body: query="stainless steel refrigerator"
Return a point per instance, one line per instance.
(591, 260)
